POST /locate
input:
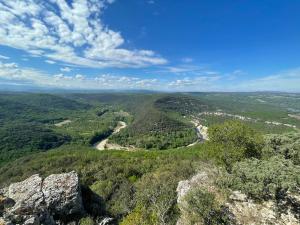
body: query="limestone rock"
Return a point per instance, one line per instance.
(106, 221)
(199, 180)
(250, 213)
(28, 196)
(33, 220)
(34, 201)
(203, 179)
(62, 194)
(238, 196)
(239, 208)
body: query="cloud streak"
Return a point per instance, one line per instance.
(4, 57)
(283, 81)
(13, 73)
(70, 33)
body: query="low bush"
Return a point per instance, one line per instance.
(286, 145)
(202, 208)
(264, 179)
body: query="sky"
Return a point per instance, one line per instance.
(163, 45)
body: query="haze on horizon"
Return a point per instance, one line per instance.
(170, 45)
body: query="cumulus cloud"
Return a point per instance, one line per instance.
(13, 73)
(68, 32)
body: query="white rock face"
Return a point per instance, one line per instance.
(106, 221)
(202, 179)
(62, 193)
(28, 196)
(36, 201)
(185, 186)
(250, 213)
(34, 220)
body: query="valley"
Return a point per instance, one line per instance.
(138, 154)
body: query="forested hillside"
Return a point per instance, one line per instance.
(39, 122)
(140, 187)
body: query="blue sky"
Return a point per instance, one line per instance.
(169, 45)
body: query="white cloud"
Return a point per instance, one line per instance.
(50, 62)
(199, 83)
(4, 57)
(288, 80)
(65, 69)
(13, 73)
(71, 33)
(283, 81)
(187, 70)
(79, 77)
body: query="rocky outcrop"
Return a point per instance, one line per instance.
(246, 211)
(205, 180)
(240, 209)
(62, 194)
(53, 200)
(200, 179)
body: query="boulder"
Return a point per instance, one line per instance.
(62, 194)
(27, 195)
(34, 201)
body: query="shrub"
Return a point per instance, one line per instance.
(203, 208)
(139, 217)
(286, 145)
(86, 221)
(264, 179)
(157, 193)
(235, 141)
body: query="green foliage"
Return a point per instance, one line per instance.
(155, 129)
(22, 139)
(235, 141)
(202, 208)
(264, 179)
(100, 135)
(157, 193)
(86, 221)
(124, 181)
(139, 216)
(140, 187)
(182, 104)
(287, 145)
